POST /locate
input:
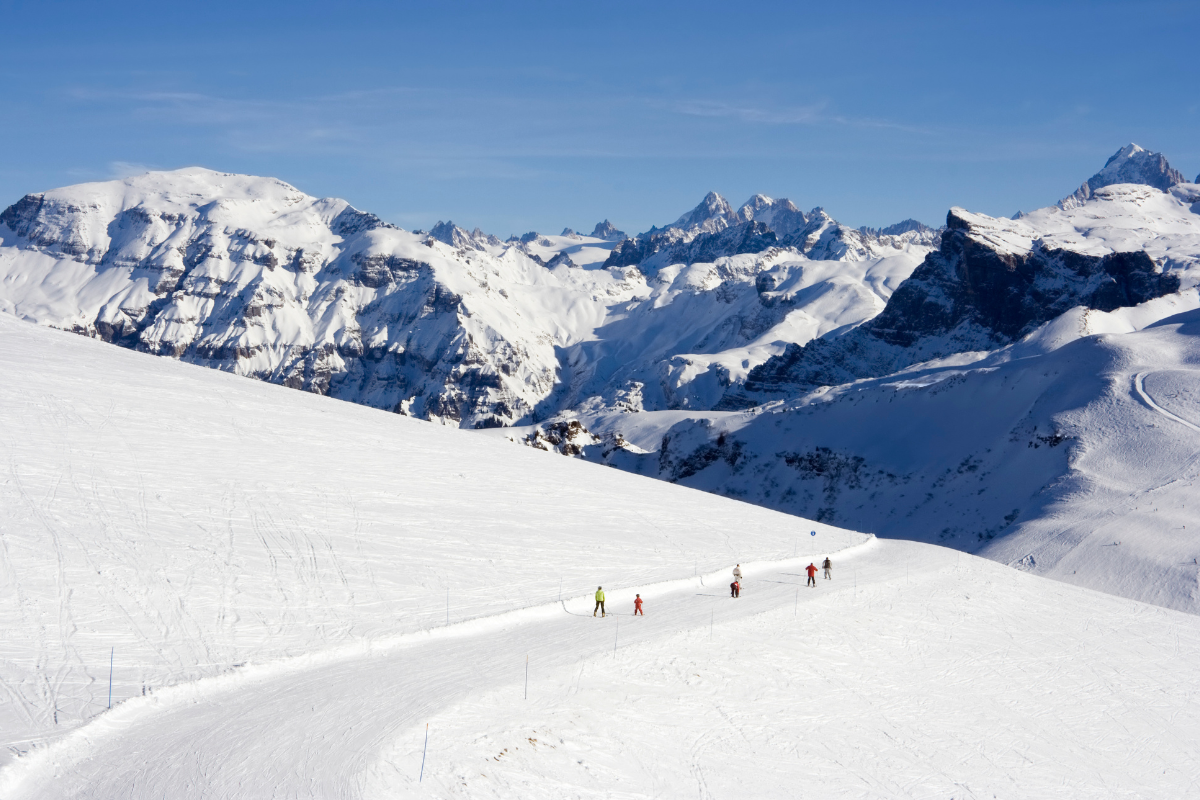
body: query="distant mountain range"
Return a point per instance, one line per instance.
(252, 276)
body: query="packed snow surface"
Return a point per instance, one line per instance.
(194, 522)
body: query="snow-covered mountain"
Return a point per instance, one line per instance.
(607, 231)
(713, 230)
(1130, 164)
(993, 281)
(252, 276)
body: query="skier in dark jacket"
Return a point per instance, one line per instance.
(811, 569)
(827, 565)
(735, 589)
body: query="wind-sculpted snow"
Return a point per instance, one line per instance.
(251, 276)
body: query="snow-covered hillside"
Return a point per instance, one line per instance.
(252, 276)
(194, 523)
(1053, 455)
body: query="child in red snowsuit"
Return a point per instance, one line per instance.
(811, 569)
(637, 606)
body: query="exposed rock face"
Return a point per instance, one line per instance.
(906, 226)
(707, 232)
(607, 231)
(459, 239)
(969, 295)
(252, 276)
(711, 215)
(675, 248)
(1130, 164)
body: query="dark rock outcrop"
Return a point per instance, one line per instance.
(607, 231)
(966, 296)
(906, 226)
(748, 237)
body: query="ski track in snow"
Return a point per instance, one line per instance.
(955, 675)
(1139, 383)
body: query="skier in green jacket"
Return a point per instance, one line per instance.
(599, 601)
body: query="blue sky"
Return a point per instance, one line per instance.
(534, 116)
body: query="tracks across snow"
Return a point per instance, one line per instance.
(916, 672)
(1139, 385)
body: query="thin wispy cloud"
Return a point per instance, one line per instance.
(801, 115)
(127, 169)
(816, 114)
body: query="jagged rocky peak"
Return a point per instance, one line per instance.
(757, 204)
(458, 238)
(1130, 164)
(607, 231)
(713, 214)
(488, 238)
(900, 228)
(781, 216)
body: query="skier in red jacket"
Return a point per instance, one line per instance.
(811, 569)
(637, 605)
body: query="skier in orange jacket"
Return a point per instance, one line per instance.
(637, 606)
(811, 569)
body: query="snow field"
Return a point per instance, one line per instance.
(916, 672)
(231, 522)
(193, 521)
(961, 678)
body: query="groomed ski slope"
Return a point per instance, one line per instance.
(917, 672)
(184, 521)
